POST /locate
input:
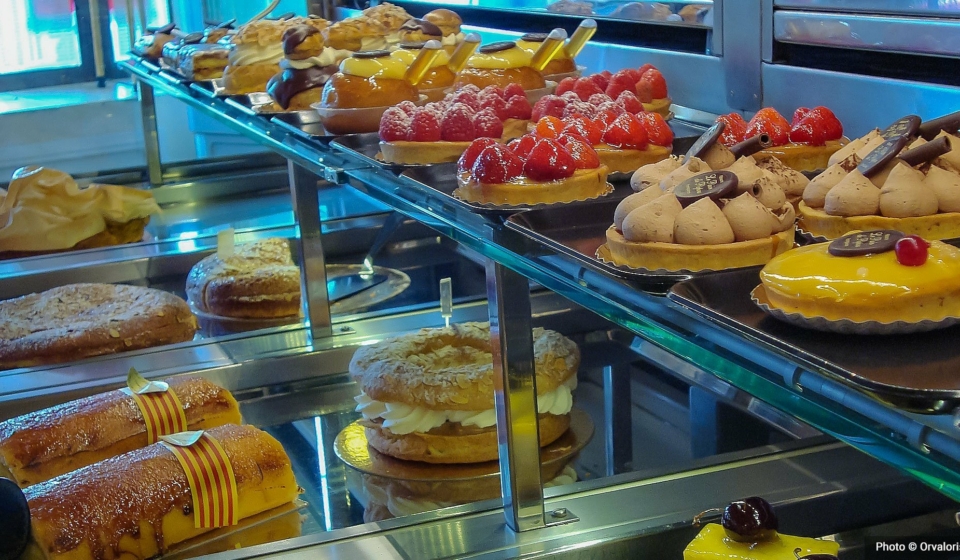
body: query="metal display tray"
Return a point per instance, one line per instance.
(915, 372)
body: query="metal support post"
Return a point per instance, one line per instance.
(151, 142)
(617, 421)
(518, 435)
(313, 272)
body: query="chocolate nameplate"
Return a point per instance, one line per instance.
(497, 47)
(904, 126)
(882, 155)
(712, 184)
(865, 243)
(534, 37)
(707, 139)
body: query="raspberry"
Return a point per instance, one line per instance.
(490, 91)
(513, 89)
(549, 161)
(548, 105)
(472, 88)
(629, 102)
(598, 98)
(465, 163)
(519, 108)
(457, 125)
(425, 126)
(394, 125)
(468, 98)
(488, 124)
(585, 87)
(496, 164)
(407, 107)
(602, 79)
(494, 103)
(565, 85)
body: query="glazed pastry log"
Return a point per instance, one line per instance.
(139, 504)
(42, 445)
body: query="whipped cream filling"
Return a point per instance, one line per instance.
(453, 39)
(247, 54)
(373, 43)
(328, 57)
(403, 419)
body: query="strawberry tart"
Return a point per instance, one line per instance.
(646, 84)
(530, 170)
(623, 141)
(439, 132)
(805, 144)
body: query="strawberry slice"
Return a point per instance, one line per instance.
(628, 100)
(487, 124)
(798, 116)
(769, 121)
(626, 132)
(469, 156)
(656, 83)
(522, 146)
(585, 128)
(735, 129)
(512, 90)
(585, 87)
(548, 105)
(549, 161)
(518, 107)
(620, 82)
(584, 156)
(394, 125)
(457, 124)
(425, 126)
(496, 164)
(658, 131)
(565, 85)
(833, 129)
(549, 127)
(606, 115)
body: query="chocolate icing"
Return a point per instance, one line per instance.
(751, 146)
(291, 81)
(497, 47)
(931, 128)
(927, 152)
(293, 37)
(865, 243)
(370, 54)
(712, 184)
(535, 37)
(707, 139)
(414, 24)
(882, 155)
(163, 29)
(192, 38)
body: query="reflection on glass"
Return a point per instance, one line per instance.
(157, 11)
(38, 34)
(243, 10)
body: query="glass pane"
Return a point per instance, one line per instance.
(38, 34)
(158, 13)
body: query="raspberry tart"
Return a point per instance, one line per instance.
(440, 132)
(530, 171)
(805, 144)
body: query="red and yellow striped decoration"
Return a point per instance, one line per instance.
(162, 413)
(212, 483)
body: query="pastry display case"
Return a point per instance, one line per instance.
(686, 395)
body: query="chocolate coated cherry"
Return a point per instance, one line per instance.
(749, 520)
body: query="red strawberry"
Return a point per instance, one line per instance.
(634, 73)
(598, 98)
(605, 116)
(584, 156)
(513, 89)
(465, 163)
(656, 82)
(619, 83)
(518, 108)
(488, 124)
(602, 80)
(769, 121)
(832, 127)
(626, 132)
(425, 126)
(580, 108)
(457, 124)
(808, 131)
(658, 131)
(394, 125)
(644, 92)
(522, 146)
(585, 87)
(549, 127)
(496, 104)
(735, 129)
(585, 129)
(613, 106)
(643, 69)
(407, 107)
(629, 102)
(798, 116)
(567, 137)
(549, 161)
(468, 98)
(548, 105)
(565, 85)
(496, 164)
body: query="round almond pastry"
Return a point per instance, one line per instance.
(436, 373)
(620, 160)
(584, 184)
(937, 226)
(408, 152)
(661, 106)
(674, 257)
(803, 157)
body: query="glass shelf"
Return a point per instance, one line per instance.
(925, 446)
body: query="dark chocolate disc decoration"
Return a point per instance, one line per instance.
(931, 128)
(497, 47)
(882, 155)
(865, 243)
(535, 37)
(707, 139)
(413, 46)
(370, 54)
(15, 529)
(904, 126)
(712, 184)
(193, 38)
(163, 29)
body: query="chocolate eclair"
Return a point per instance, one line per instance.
(304, 69)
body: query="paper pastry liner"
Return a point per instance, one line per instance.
(521, 207)
(847, 326)
(604, 256)
(808, 237)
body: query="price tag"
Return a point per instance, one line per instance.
(225, 243)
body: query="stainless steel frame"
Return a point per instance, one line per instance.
(313, 271)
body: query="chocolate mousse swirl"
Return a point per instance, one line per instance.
(293, 37)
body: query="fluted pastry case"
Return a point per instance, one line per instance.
(684, 395)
